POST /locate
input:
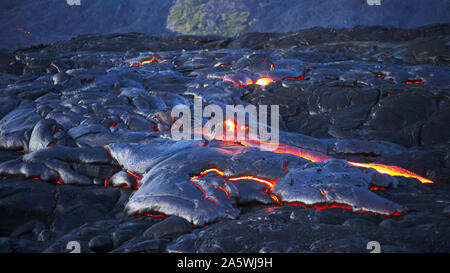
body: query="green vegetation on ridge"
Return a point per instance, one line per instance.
(189, 17)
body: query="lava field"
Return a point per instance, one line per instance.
(87, 155)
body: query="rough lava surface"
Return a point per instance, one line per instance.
(87, 153)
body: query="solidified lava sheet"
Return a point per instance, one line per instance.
(87, 153)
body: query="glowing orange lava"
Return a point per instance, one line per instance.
(301, 77)
(270, 183)
(200, 188)
(225, 191)
(152, 215)
(133, 174)
(219, 172)
(276, 199)
(331, 206)
(212, 200)
(230, 125)
(151, 60)
(284, 167)
(317, 157)
(267, 182)
(263, 81)
(377, 188)
(391, 170)
(413, 82)
(204, 194)
(156, 215)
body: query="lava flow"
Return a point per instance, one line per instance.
(263, 81)
(312, 156)
(317, 157)
(268, 182)
(391, 170)
(409, 82)
(151, 60)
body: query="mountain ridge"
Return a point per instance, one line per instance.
(25, 23)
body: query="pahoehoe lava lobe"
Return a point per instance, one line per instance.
(87, 151)
(336, 182)
(239, 175)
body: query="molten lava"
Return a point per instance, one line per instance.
(225, 191)
(377, 188)
(317, 157)
(151, 60)
(156, 215)
(312, 156)
(204, 194)
(276, 199)
(391, 170)
(133, 174)
(200, 188)
(238, 83)
(269, 183)
(409, 82)
(152, 215)
(230, 125)
(219, 172)
(263, 81)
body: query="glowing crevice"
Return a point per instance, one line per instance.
(268, 182)
(133, 174)
(151, 60)
(410, 82)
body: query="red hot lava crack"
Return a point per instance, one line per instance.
(270, 183)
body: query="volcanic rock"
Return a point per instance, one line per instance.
(87, 152)
(171, 226)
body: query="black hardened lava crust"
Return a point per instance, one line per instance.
(84, 125)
